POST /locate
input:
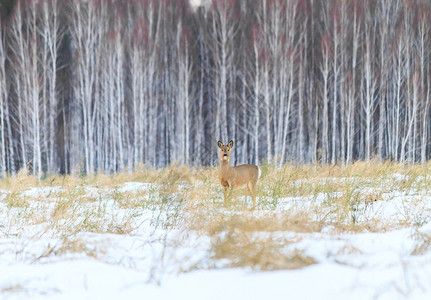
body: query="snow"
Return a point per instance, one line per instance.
(164, 262)
(41, 191)
(135, 187)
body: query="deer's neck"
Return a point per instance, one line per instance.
(224, 166)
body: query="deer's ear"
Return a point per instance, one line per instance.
(230, 144)
(220, 144)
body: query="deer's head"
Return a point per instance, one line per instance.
(225, 150)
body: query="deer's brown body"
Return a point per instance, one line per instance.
(234, 177)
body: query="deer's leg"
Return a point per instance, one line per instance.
(231, 187)
(225, 194)
(249, 189)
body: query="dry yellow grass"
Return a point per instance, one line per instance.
(190, 198)
(423, 243)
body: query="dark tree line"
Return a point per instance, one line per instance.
(108, 85)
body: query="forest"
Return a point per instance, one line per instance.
(109, 85)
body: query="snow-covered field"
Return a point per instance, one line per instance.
(131, 242)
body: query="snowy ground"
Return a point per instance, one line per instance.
(112, 251)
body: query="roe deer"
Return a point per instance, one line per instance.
(233, 177)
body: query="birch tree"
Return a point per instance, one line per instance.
(224, 31)
(4, 115)
(86, 34)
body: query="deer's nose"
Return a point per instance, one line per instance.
(225, 154)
